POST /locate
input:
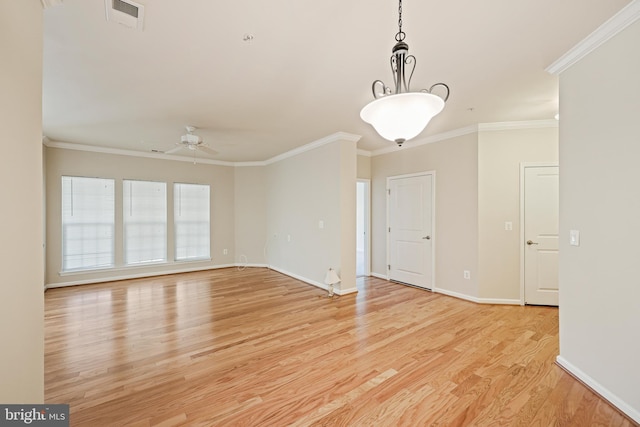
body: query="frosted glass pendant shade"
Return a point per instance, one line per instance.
(402, 116)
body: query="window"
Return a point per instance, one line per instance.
(191, 219)
(88, 217)
(144, 219)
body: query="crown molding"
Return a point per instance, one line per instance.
(528, 124)
(480, 127)
(621, 20)
(106, 150)
(428, 140)
(338, 136)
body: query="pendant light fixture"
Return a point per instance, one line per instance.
(402, 115)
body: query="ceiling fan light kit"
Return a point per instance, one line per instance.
(401, 115)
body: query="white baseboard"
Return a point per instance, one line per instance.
(502, 301)
(301, 278)
(625, 408)
(338, 291)
(242, 266)
(456, 295)
(145, 274)
(476, 299)
(463, 296)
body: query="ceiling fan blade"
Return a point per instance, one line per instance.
(208, 150)
(175, 150)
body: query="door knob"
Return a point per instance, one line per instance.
(427, 237)
(529, 242)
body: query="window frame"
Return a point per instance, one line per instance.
(177, 206)
(64, 239)
(126, 263)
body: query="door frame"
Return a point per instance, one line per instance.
(367, 225)
(434, 235)
(523, 166)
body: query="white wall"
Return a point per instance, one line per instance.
(313, 186)
(600, 197)
(21, 255)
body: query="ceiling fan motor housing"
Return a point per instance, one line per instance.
(190, 139)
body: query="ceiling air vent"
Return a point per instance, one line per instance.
(125, 12)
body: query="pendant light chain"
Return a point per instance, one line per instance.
(400, 35)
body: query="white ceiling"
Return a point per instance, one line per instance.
(305, 75)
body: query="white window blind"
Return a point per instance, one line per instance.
(144, 218)
(191, 220)
(88, 222)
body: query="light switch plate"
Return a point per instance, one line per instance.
(574, 237)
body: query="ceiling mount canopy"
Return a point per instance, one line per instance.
(401, 115)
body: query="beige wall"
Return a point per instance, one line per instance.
(250, 215)
(316, 185)
(455, 162)
(364, 167)
(82, 163)
(499, 156)
(21, 255)
(600, 197)
(348, 201)
(262, 214)
(477, 190)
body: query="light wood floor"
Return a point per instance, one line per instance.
(256, 348)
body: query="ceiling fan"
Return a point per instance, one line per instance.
(191, 142)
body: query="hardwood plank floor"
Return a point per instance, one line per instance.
(256, 348)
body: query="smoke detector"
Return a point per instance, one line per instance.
(125, 12)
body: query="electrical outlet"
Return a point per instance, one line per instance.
(508, 226)
(466, 274)
(225, 251)
(288, 237)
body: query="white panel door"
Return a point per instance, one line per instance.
(410, 230)
(541, 213)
